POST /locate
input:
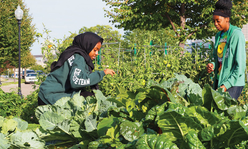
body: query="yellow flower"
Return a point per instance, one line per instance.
(143, 82)
(49, 46)
(165, 62)
(169, 65)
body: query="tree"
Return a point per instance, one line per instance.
(9, 32)
(105, 31)
(28, 61)
(52, 48)
(140, 37)
(189, 19)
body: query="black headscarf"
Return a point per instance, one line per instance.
(83, 45)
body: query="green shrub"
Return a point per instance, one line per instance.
(133, 71)
(10, 104)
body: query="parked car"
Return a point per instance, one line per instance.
(16, 75)
(27, 71)
(31, 78)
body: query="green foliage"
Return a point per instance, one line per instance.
(153, 141)
(150, 63)
(28, 60)
(28, 108)
(176, 113)
(14, 133)
(139, 38)
(52, 48)
(9, 32)
(10, 104)
(105, 31)
(188, 19)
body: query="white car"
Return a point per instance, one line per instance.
(31, 78)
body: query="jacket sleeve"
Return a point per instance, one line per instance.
(80, 75)
(238, 47)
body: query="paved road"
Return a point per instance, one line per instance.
(26, 89)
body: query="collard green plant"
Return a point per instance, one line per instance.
(161, 115)
(15, 134)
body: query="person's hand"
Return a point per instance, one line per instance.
(109, 71)
(210, 67)
(223, 86)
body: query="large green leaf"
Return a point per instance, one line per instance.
(50, 120)
(202, 116)
(189, 90)
(154, 112)
(22, 125)
(207, 133)
(106, 124)
(42, 109)
(131, 130)
(4, 143)
(9, 125)
(194, 93)
(1, 121)
(207, 96)
(62, 102)
(155, 142)
(90, 123)
(222, 99)
(177, 125)
(54, 135)
(27, 139)
(76, 104)
(59, 110)
(102, 104)
(236, 132)
(192, 141)
(237, 112)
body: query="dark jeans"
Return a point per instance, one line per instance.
(235, 91)
(40, 102)
(86, 94)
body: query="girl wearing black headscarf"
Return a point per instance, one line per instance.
(73, 70)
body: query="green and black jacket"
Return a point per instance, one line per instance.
(74, 75)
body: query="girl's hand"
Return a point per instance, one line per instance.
(210, 67)
(109, 71)
(223, 86)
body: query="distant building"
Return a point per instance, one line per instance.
(40, 60)
(245, 31)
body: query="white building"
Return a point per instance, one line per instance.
(39, 60)
(245, 31)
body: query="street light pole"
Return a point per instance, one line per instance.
(18, 15)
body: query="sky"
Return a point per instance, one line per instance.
(63, 16)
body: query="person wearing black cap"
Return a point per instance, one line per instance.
(72, 73)
(229, 52)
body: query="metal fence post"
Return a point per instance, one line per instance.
(119, 57)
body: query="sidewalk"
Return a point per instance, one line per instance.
(26, 89)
